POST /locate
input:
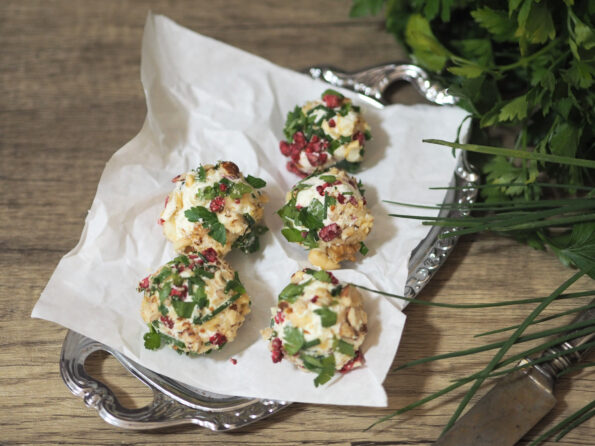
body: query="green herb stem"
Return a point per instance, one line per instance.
(521, 339)
(484, 305)
(561, 426)
(501, 151)
(547, 318)
(512, 340)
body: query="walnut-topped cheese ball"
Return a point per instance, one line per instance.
(318, 324)
(214, 207)
(324, 133)
(195, 303)
(327, 214)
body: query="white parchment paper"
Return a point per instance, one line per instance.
(206, 102)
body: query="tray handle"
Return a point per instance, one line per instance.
(374, 81)
(161, 412)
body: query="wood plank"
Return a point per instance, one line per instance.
(70, 96)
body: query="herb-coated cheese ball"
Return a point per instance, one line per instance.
(327, 214)
(214, 207)
(325, 133)
(195, 303)
(318, 324)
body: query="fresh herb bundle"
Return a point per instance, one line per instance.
(523, 68)
(525, 65)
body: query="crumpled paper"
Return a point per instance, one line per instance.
(206, 102)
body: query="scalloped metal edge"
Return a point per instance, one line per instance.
(176, 404)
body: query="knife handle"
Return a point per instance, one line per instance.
(561, 363)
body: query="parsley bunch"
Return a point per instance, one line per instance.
(525, 65)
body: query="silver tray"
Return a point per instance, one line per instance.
(175, 403)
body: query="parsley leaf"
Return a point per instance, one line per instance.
(294, 340)
(324, 366)
(209, 220)
(328, 317)
(152, 339)
(183, 309)
(255, 182)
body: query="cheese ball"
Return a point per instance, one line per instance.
(318, 324)
(214, 207)
(326, 213)
(324, 133)
(194, 303)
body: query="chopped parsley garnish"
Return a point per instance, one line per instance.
(328, 201)
(183, 309)
(201, 174)
(321, 275)
(292, 291)
(209, 220)
(249, 242)
(234, 285)
(293, 340)
(255, 182)
(344, 347)
(324, 366)
(152, 339)
(296, 120)
(328, 317)
(238, 189)
(328, 178)
(363, 249)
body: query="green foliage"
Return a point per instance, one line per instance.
(524, 64)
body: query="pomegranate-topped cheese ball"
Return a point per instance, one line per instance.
(319, 324)
(325, 133)
(326, 213)
(214, 207)
(194, 303)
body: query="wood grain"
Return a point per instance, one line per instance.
(70, 96)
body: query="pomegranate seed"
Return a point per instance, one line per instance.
(312, 158)
(360, 137)
(279, 318)
(167, 321)
(276, 353)
(144, 284)
(332, 123)
(277, 356)
(349, 366)
(341, 198)
(322, 159)
(234, 361)
(210, 254)
(218, 339)
(292, 167)
(314, 138)
(299, 140)
(352, 200)
(331, 100)
(285, 148)
(295, 153)
(160, 221)
(330, 232)
(237, 201)
(314, 299)
(304, 234)
(222, 187)
(334, 280)
(217, 204)
(181, 293)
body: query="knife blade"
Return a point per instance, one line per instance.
(518, 401)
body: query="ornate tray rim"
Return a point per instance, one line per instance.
(175, 403)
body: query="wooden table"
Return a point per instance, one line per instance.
(70, 96)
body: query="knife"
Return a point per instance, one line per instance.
(518, 401)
